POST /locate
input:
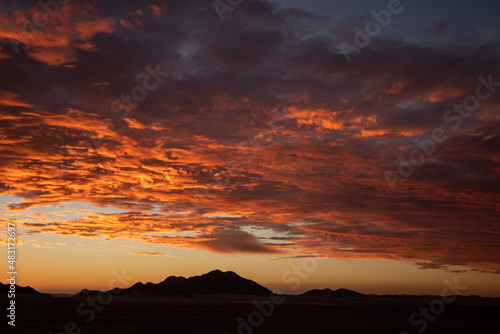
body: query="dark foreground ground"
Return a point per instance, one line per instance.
(219, 315)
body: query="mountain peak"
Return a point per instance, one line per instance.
(215, 271)
(218, 272)
(213, 282)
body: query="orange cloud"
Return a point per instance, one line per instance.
(203, 161)
(65, 32)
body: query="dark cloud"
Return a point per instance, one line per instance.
(207, 140)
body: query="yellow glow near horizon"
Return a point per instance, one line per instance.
(54, 264)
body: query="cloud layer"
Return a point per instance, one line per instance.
(262, 138)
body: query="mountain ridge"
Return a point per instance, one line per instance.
(212, 283)
(26, 290)
(328, 293)
(217, 282)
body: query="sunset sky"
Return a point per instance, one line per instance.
(154, 138)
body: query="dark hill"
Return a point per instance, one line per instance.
(5, 288)
(339, 293)
(214, 282)
(86, 292)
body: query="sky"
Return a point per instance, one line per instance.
(280, 139)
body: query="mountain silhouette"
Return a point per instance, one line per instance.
(86, 292)
(212, 283)
(339, 293)
(5, 288)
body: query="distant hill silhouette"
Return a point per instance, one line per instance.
(4, 289)
(339, 293)
(86, 292)
(212, 283)
(218, 282)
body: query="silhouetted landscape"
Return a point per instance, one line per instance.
(215, 282)
(338, 160)
(224, 302)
